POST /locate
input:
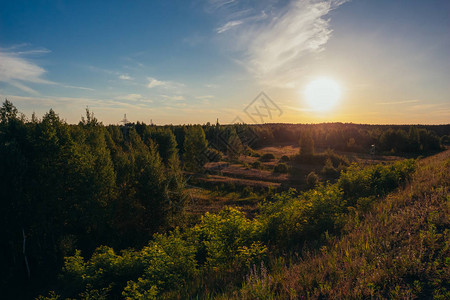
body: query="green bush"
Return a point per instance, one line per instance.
(375, 180)
(227, 236)
(329, 170)
(284, 158)
(290, 220)
(246, 191)
(167, 262)
(214, 155)
(281, 168)
(312, 179)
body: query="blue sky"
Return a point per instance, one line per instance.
(195, 61)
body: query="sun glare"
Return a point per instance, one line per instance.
(322, 94)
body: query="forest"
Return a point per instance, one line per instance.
(94, 211)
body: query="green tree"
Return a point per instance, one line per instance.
(195, 145)
(235, 147)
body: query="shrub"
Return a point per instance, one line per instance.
(284, 158)
(226, 236)
(267, 157)
(329, 170)
(250, 152)
(167, 262)
(290, 220)
(375, 180)
(281, 168)
(312, 179)
(246, 191)
(214, 155)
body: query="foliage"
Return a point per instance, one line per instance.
(234, 146)
(375, 180)
(214, 155)
(290, 220)
(398, 249)
(312, 179)
(166, 262)
(224, 242)
(281, 168)
(284, 158)
(195, 145)
(228, 236)
(68, 187)
(329, 170)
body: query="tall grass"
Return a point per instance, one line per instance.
(399, 249)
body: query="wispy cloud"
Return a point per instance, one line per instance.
(77, 87)
(17, 71)
(398, 102)
(133, 97)
(153, 82)
(214, 5)
(273, 39)
(174, 97)
(228, 26)
(125, 77)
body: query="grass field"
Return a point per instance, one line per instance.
(240, 175)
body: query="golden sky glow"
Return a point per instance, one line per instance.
(175, 62)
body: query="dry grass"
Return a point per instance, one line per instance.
(398, 250)
(201, 201)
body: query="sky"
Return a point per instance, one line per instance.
(184, 62)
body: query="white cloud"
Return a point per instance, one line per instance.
(133, 97)
(153, 82)
(274, 41)
(125, 77)
(129, 97)
(228, 26)
(214, 5)
(16, 71)
(174, 98)
(78, 87)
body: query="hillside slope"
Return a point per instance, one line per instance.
(400, 249)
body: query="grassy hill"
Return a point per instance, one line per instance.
(399, 249)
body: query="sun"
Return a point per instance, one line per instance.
(322, 94)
